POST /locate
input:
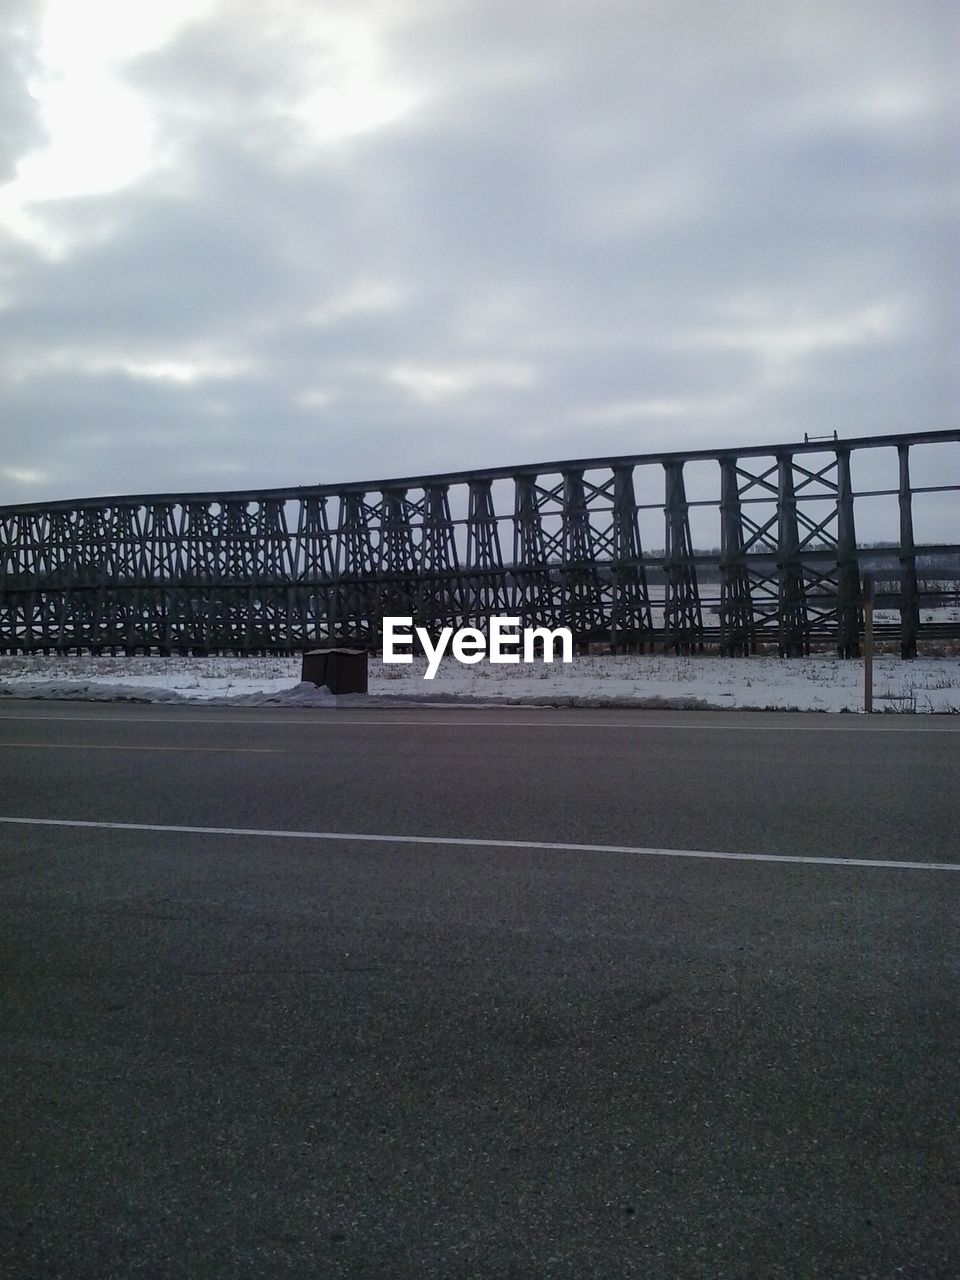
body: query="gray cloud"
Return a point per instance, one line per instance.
(584, 229)
(21, 129)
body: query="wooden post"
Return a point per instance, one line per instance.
(868, 643)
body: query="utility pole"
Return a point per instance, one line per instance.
(868, 643)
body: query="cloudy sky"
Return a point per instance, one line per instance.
(269, 242)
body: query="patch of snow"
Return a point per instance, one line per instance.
(817, 683)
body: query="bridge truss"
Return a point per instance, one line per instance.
(557, 544)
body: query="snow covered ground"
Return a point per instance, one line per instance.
(808, 684)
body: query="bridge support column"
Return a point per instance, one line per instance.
(737, 637)
(849, 609)
(485, 590)
(439, 597)
(794, 639)
(909, 593)
(581, 605)
(630, 622)
(682, 615)
(536, 589)
(358, 606)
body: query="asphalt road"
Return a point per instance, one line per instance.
(234, 1054)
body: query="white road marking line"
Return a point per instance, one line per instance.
(345, 719)
(121, 746)
(465, 842)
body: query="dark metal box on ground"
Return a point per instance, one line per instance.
(342, 668)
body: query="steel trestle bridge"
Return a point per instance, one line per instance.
(556, 544)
